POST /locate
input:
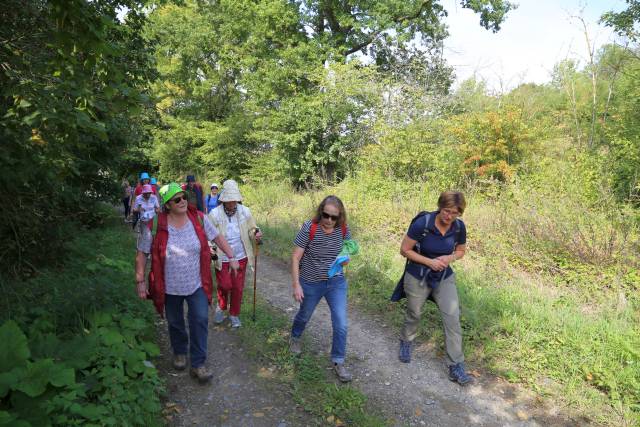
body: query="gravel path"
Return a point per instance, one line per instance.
(414, 394)
(240, 394)
(418, 393)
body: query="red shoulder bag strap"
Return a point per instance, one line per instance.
(314, 228)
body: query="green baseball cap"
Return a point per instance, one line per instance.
(170, 190)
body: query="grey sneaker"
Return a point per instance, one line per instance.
(201, 374)
(219, 316)
(457, 374)
(235, 321)
(295, 345)
(179, 361)
(342, 373)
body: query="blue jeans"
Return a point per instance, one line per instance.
(198, 317)
(334, 291)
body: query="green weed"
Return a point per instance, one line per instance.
(312, 389)
(78, 343)
(539, 308)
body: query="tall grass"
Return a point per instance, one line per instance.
(549, 287)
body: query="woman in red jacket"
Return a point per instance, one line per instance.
(181, 271)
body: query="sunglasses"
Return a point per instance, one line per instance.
(332, 217)
(178, 199)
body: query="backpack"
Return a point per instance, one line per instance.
(398, 292)
(314, 228)
(425, 230)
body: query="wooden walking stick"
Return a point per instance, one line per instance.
(255, 274)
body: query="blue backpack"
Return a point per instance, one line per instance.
(398, 292)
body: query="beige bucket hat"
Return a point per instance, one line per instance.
(230, 192)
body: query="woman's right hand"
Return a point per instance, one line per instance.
(436, 264)
(298, 293)
(142, 290)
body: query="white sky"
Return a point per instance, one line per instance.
(535, 36)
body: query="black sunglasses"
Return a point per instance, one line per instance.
(178, 199)
(333, 217)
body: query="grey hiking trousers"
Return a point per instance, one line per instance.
(446, 297)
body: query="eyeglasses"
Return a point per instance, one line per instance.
(178, 199)
(329, 216)
(450, 212)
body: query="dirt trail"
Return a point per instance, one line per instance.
(240, 393)
(412, 394)
(418, 393)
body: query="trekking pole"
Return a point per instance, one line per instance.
(255, 275)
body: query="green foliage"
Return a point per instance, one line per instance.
(625, 22)
(78, 346)
(415, 153)
(492, 144)
(550, 266)
(320, 134)
(72, 100)
(256, 78)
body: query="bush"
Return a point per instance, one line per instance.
(77, 344)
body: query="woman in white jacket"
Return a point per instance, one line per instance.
(235, 222)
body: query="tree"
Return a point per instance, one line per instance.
(72, 99)
(362, 25)
(624, 22)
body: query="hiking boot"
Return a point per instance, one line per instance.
(404, 354)
(219, 316)
(342, 373)
(458, 375)
(201, 374)
(179, 361)
(235, 321)
(295, 345)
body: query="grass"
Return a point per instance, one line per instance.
(83, 319)
(311, 387)
(549, 289)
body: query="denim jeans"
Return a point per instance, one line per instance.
(198, 317)
(334, 290)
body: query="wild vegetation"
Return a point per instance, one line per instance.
(77, 348)
(301, 99)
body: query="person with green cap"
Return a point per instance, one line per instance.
(178, 240)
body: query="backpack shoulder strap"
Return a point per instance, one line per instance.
(154, 225)
(201, 219)
(427, 218)
(458, 231)
(312, 230)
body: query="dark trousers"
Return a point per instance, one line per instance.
(198, 317)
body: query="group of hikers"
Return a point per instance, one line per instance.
(188, 231)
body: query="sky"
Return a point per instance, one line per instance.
(534, 37)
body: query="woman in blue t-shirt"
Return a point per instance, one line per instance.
(431, 244)
(213, 198)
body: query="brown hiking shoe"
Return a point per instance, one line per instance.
(179, 361)
(342, 373)
(201, 374)
(295, 345)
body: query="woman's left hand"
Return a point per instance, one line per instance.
(258, 236)
(445, 259)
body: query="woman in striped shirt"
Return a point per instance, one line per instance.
(316, 246)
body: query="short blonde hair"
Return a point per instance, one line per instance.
(452, 199)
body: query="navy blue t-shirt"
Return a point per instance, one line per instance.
(433, 245)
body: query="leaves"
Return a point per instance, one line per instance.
(14, 352)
